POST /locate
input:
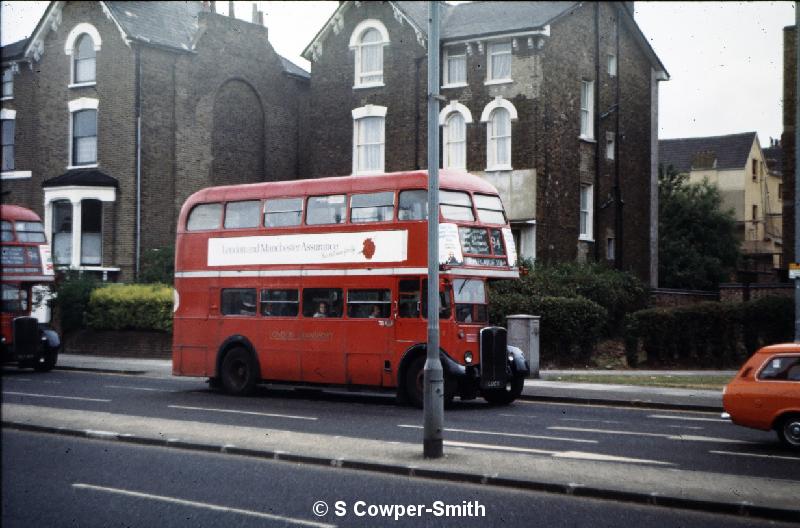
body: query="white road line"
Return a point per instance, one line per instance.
(34, 395)
(757, 455)
(691, 438)
(510, 435)
(590, 420)
(16, 379)
(137, 388)
(602, 406)
(204, 505)
(692, 427)
(52, 382)
(687, 418)
(577, 455)
(253, 413)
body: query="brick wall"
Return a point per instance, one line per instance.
(736, 292)
(669, 298)
(131, 344)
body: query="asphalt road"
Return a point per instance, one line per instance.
(656, 438)
(54, 480)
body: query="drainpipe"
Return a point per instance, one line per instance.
(596, 186)
(618, 203)
(138, 112)
(417, 63)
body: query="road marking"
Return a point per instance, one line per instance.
(34, 395)
(577, 455)
(204, 505)
(17, 379)
(687, 418)
(510, 435)
(691, 438)
(590, 420)
(602, 406)
(758, 455)
(693, 427)
(253, 413)
(137, 388)
(52, 382)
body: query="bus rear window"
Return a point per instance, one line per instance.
(413, 205)
(279, 303)
(283, 212)
(238, 301)
(205, 216)
(242, 214)
(326, 209)
(8, 234)
(30, 232)
(373, 207)
(456, 206)
(490, 209)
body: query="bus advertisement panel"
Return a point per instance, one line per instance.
(325, 282)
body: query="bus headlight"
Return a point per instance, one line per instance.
(510, 357)
(468, 357)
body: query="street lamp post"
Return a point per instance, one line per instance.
(433, 399)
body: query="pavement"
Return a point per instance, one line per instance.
(567, 474)
(535, 389)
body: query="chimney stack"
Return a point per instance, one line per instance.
(213, 6)
(231, 11)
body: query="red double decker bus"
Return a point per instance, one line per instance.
(325, 282)
(26, 263)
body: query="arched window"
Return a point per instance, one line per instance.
(368, 40)
(499, 139)
(83, 67)
(455, 142)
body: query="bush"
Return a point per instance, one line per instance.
(71, 299)
(570, 327)
(708, 334)
(617, 292)
(158, 266)
(131, 307)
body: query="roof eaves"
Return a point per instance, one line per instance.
(336, 19)
(645, 44)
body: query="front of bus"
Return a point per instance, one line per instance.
(476, 245)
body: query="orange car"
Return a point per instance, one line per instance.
(765, 394)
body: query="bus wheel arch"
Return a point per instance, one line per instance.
(237, 367)
(412, 364)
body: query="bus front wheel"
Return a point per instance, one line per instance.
(415, 384)
(239, 373)
(47, 360)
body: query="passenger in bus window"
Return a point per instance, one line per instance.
(376, 312)
(322, 310)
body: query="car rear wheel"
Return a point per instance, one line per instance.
(789, 431)
(239, 372)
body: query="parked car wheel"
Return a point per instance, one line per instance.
(789, 431)
(239, 372)
(507, 394)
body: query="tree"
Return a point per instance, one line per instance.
(697, 242)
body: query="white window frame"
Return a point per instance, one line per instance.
(491, 157)
(490, 57)
(6, 114)
(446, 82)
(612, 64)
(587, 112)
(611, 145)
(69, 49)
(588, 191)
(356, 45)
(444, 115)
(359, 114)
(76, 105)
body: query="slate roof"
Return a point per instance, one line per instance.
(170, 24)
(87, 177)
(14, 50)
(730, 151)
(773, 156)
(293, 69)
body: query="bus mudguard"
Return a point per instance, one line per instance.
(450, 366)
(519, 365)
(230, 342)
(50, 336)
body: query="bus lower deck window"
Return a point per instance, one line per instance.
(279, 303)
(238, 301)
(375, 304)
(322, 302)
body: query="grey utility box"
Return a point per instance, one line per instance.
(523, 333)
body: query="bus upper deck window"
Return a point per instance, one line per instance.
(30, 232)
(205, 216)
(326, 209)
(490, 209)
(242, 214)
(8, 234)
(283, 212)
(373, 207)
(456, 206)
(413, 205)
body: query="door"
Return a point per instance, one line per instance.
(369, 332)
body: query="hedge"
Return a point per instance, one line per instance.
(708, 334)
(131, 307)
(72, 293)
(570, 327)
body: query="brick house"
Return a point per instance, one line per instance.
(114, 112)
(737, 165)
(555, 103)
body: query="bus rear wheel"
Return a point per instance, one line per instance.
(239, 372)
(507, 394)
